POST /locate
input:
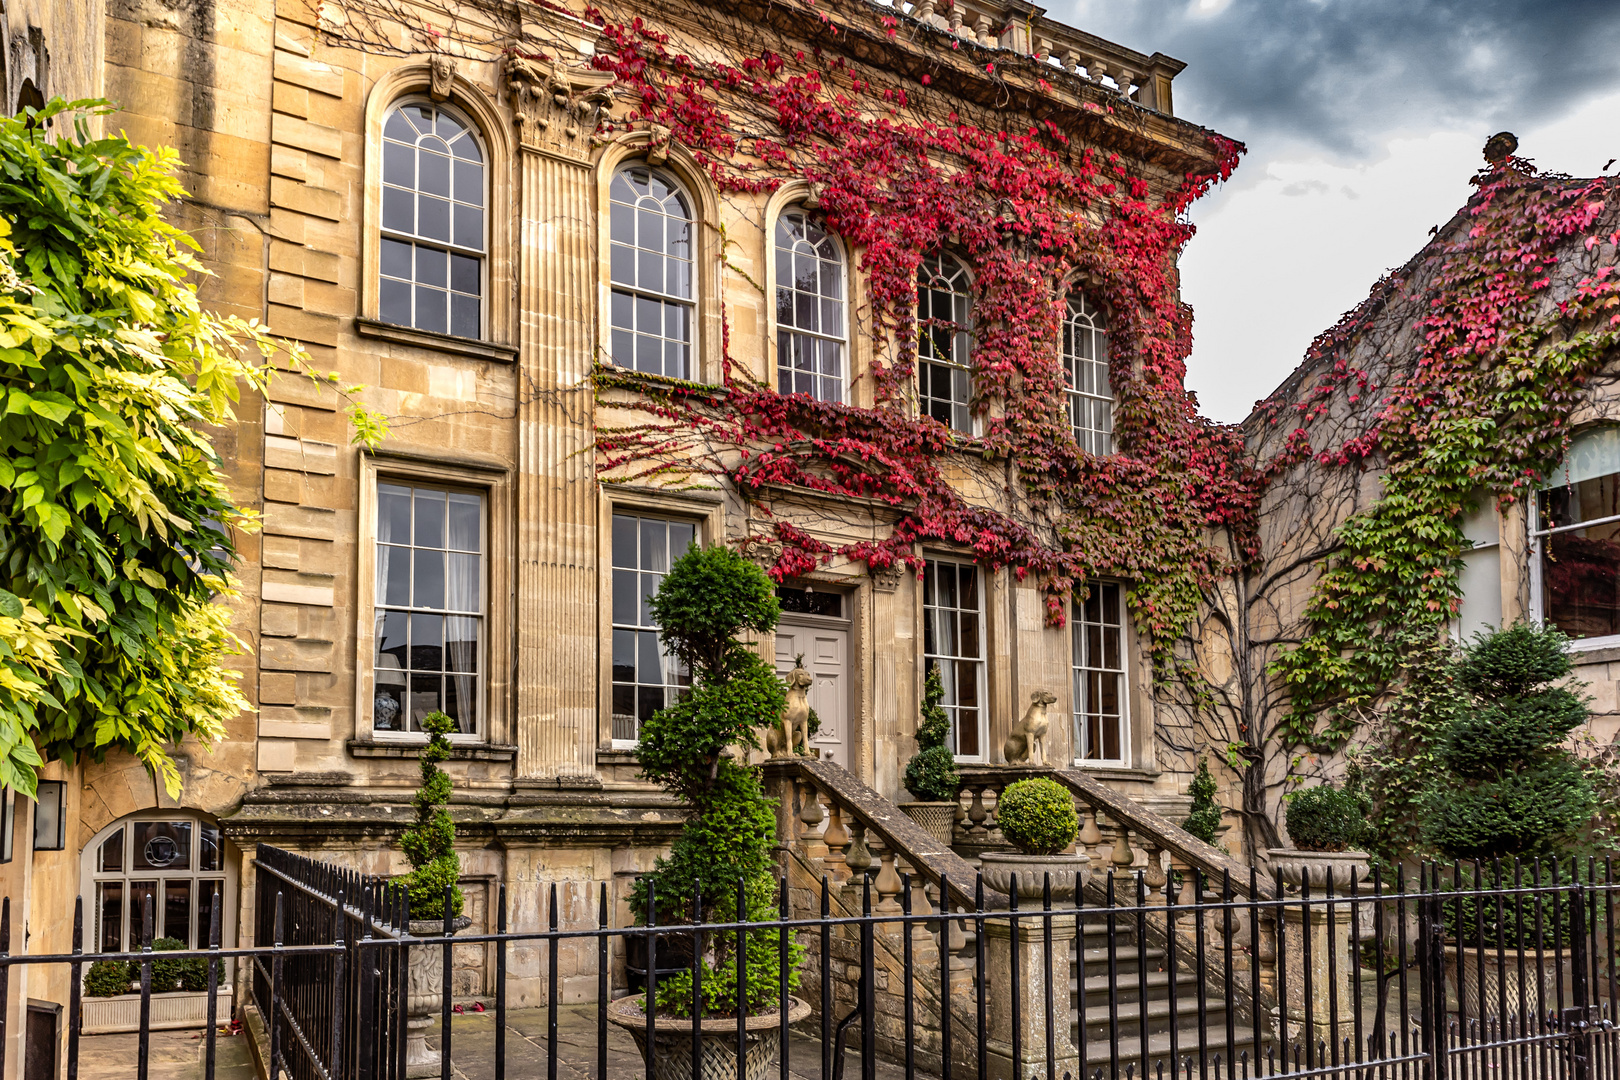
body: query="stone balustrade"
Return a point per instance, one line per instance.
(1019, 27)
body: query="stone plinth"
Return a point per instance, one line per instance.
(1029, 987)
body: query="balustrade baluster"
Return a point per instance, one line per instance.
(1154, 876)
(836, 837)
(1090, 836)
(1122, 856)
(858, 858)
(888, 882)
(977, 813)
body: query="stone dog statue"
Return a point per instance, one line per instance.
(793, 734)
(1026, 743)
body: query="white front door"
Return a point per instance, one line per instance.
(826, 653)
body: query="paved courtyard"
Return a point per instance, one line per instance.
(178, 1055)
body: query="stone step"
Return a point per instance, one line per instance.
(1158, 1015)
(1097, 1052)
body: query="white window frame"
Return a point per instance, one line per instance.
(1078, 671)
(960, 285)
(130, 934)
(482, 254)
(783, 331)
(483, 730)
(1080, 315)
(982, 660)
(1538, 536)
(615, 627)
(640, 290)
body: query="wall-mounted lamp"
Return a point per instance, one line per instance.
(50, 817)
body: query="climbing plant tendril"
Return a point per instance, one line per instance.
(1029, 212)
(1483, 412)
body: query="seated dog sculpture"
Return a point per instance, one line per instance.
(792, 736)
(1026, 743)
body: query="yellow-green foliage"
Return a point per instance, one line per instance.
(117, 529)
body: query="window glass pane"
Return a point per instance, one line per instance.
(626, 599)
(427, 583)
(210, 894)
(111, 855)
(430, 310)
(110, 914)
(465, 317)
(466, 527)
(398, 210)
(162, 845)
(624, 541)
(142, 895)
(426, 697)
(427, 642)
(177, 911)
(396, 258)
(210, 855)
(462, 587)
(394, 302)
(469, 176)
(430, 506)
(433, 173)
(465, 273)
(431, 267)
(469, 226)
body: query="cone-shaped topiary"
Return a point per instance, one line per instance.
(709, 597)
(429, 843)
(1505, 785)
(1205, 817)
(1037, 816)
(931, 773)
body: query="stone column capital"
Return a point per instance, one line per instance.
(556, 107)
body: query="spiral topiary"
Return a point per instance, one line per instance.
(429, 843)
(931, 773)
(1037, 816)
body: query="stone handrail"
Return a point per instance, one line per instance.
(1161, 833)
(1023, 28)
(899, 835)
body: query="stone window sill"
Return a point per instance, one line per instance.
(427, 339)
(459, 751)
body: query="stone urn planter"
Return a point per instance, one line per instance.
(1070, 871)
(424, 1002)
(1533, 997)
(937, 819)
(671, 1053)
(1345, 866)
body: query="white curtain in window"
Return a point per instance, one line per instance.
(1593, 453)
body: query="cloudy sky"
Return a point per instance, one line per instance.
(1364, 120)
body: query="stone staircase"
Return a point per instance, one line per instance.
(834, 829)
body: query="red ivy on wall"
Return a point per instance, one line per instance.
(1026, 212)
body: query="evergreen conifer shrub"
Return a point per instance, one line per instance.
(931, 773)
(430, 841)
(1328, 818)
(1205, 816)
(1505, 785)
(709, 598)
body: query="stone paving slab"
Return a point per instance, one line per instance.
(172, 1055)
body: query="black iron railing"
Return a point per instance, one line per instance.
(1474, 972)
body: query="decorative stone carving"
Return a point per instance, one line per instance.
(888, 578)
(556, 108)
(1026, 742)
(658, 144)
(441, 74)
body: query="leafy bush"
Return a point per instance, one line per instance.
(1037, 816)
(176, 974)
(1504, 785)
(429, 843)
(1328, 818)
(709, 597)
(931, 773)
(108, 978)
(1205, 817)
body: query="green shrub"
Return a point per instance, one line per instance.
(1205, 817)
(708, 599)
(1037, 816)
(429, 843)
(108, 978)
(1504, 785)
(931, 773)
(1328, 818)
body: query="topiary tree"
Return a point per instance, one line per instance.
(108, 978)
(1037, 816)
(1505, 785)
(1328, 818)
(931, 773)
(709, 598)
(1205, 816)
(118, 516)
(430, 841)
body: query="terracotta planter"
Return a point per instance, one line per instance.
(1524, 1000)
(1069, 871)
(1346, 866)
(424, 1000)
(937, 819)
(671, 1052)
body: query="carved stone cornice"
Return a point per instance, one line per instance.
(556, 107)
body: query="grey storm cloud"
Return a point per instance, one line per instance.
(1338, 72)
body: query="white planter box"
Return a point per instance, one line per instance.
(169, 1011)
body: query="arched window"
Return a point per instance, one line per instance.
(944, 342)
(431, 263)
(810, 309)
(650, 241)
(1085, 366)
(175, 859)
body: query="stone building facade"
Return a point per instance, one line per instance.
(429, 209)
